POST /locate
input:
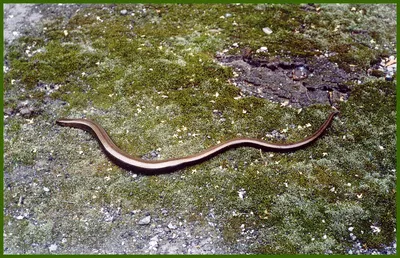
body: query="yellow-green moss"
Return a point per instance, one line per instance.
(150, 83)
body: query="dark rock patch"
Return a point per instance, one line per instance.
(298, 82)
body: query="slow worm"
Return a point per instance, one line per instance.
(129, 162)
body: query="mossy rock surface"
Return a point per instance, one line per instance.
(148, 74)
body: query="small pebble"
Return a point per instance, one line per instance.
(170, 226)
(153, 244)
(267, 30)
(26, 112)
(262, 50)
(241, 193)
(145, 220)
(53, 248)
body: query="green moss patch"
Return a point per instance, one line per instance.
(150, 79)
